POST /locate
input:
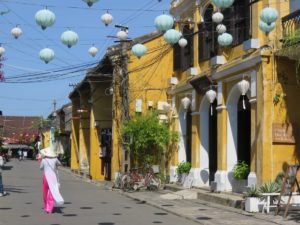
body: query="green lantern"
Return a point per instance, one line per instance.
(45, 18)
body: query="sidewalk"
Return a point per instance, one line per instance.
(199, 210)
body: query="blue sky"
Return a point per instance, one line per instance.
(35, 99)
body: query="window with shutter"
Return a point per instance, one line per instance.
(176, 57)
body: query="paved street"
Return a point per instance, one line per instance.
(89, 204)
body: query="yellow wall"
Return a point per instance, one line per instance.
(46, 139)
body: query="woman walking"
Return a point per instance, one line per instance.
(51, 192)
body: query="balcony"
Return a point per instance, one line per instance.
(291, 36)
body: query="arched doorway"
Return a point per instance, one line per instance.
(238, 131)
(185, 131)
(213, 138)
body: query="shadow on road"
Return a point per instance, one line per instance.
(14, 189)
(7, 167)
(106, 223)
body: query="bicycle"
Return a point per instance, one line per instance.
(152, 182)
(132, 180)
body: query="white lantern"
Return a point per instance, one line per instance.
(269, 15)
(211, 96)
(139, 50)
(221, 28)
(16, 32)
(69, 38)
(225, 39)
(182, 42)
(93, 51)
(90, 2)
(122, 35)
(217, 17)
(166, 107)
(45, 18)
(2, 50)
(185, 102)
(243, 87)
(46, 55)
(172, 36)
(265, 27)
(107, 18)
(223, 3)
(164, 22)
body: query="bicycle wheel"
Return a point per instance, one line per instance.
(126, 183)
(118, 182)
(154, 183)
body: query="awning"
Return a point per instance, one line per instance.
(202, 83)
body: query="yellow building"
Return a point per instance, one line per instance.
(120, 86)
(259, 126)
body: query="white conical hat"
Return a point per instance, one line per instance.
(48, 152)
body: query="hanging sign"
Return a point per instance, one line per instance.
(284, 133)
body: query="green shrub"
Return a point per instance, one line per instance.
(252, 192)
(270, 187)
(183, 167)
(241, 171)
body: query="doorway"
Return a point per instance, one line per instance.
(212, 140)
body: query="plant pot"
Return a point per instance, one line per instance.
(182, 177)
(239, 186)
(251, 204)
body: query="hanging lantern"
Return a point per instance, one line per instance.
(166, 107)
(223, 3)
(269, 15)
(139, 50)
(265, 27)
(69, 38)
(217, 17)
(107, 18)
(221, 28)
(90, 2)
(16, 32)
(44, 18)
(185, 102)
(211, 95)
(93, 51)
(164, 22)
(2, 50)
(122, 35)
(182, 42)
(225, 39)
(172, 36)
(243, 87)
(46, 55)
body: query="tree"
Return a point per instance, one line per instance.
(147, 138)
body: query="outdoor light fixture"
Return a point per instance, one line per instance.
(16, 32)
(107, 18)
(211, 96)
(185, 102)
(217, 17)
(269, 15)
(93, 51)
(46, 55)
(221, 28)
(90, 2)
(164, 22)
(122, 35)
(225, 39)
(182, 42)
(172, 36)
(45, 18)
(166, 107)
(2, 50)
(223, 3)
(243, 87)
(264, 27)
(69, 38)
(139, 50)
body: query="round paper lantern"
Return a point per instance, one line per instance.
(182, 42)
(139, 50)
(221, 28)
(243, 87)
(107, 18)
(269, 15)
(211, 96)
(16, 32)
(166, 107)
(44, 18)
(164, 22)
(46, 55)
(223, 3)
(225, 39)
(90, 2)
(265, 27)
(172, 36)
(93, 51)
(185, 102)
(69, 38)
(217, 17)
(122, 35)
(2, 50)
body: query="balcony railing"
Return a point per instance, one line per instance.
(291, 28)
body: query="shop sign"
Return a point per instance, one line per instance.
(284, 133)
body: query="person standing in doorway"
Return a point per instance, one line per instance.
(51, 193)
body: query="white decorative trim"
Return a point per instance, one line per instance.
(252, 100)
(253, 84)
(220, 93)
(192, 71)
(221, 107)
(243, 65)
(193, 104)
(218, 60)
(251, 44)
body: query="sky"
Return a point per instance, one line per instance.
(22, 55)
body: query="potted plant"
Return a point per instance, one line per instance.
(252, 196)
(240, 174)
(183, 170)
